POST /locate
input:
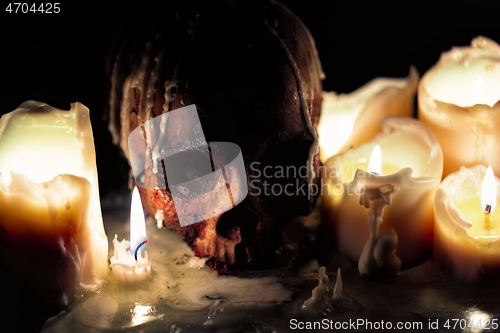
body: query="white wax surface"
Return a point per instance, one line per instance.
(124, 265)
(454, 83)
(408, 147)
(458, 100)
(464, 246)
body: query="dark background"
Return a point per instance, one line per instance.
(59, 58)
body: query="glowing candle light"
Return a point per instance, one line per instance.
(375, 165)
(467, 226)
(349, 120)
(128, 264)
(412, 165)
(137, 224)
(50, 213)
(489, 192)
(459, 101)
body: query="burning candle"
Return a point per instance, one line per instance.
(127, 263)
(467, 230)
(411, 164)
(50, 214)
(349, 120)
(459, 100)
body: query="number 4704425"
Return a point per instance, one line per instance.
(25, 8)
(484, 324)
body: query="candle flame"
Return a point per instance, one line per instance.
(375, 165)
(475, 94)
(137, 222)
(489, 191)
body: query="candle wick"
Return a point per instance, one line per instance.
(487, 212)
(487, 209)
(138, 247)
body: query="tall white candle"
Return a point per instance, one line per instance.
(49, 200)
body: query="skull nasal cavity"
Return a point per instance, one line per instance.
(238, 217)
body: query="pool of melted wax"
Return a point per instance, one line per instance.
(182, 295)
(185, 296)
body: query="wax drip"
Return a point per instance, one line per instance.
(319, 294)
(337, 289)
(159, 217)
(482, 128)
(150, 90)
(131, 83)
(379, 253)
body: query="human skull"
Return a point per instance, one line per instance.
(252, 70)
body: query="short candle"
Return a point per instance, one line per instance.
(349, 120)
(127, 262)
(467, 225)
(412, 161)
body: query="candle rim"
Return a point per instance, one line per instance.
(403, 178)
(335, 105)
(444, 199)
(481, 49)
(391, 125)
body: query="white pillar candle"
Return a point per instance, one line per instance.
(459, 99)
(467, 240)
(127, 263)
(412, 162)
(349, 120)
(50, 213)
